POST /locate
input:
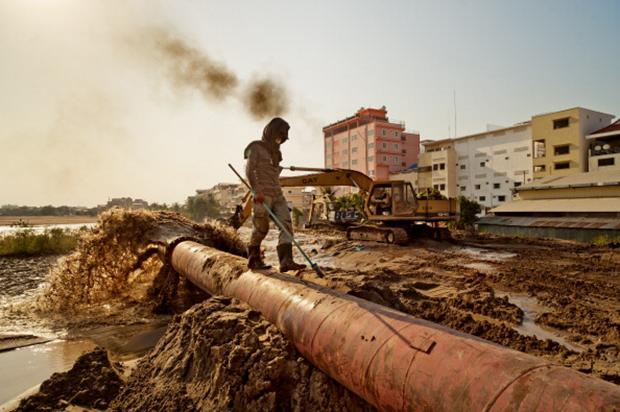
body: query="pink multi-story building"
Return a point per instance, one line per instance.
(370, 143)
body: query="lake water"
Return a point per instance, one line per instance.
(41, 228)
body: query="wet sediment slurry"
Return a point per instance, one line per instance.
(556, 300)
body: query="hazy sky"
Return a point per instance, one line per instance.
(88, 111)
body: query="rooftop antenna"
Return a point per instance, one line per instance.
(454, 98)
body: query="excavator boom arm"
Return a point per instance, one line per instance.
(322, 178)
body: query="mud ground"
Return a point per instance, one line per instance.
(475, 285)
(553, 299)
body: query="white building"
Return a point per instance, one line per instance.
(491, 164)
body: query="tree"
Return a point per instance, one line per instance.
(468, 211)
(200, 207)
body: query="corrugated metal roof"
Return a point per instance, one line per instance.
(597, 178)
(577, 205)
(556, 222)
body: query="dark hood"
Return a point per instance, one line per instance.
(269, 138)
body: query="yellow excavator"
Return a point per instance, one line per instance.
(393, 211)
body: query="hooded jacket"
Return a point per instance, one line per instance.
(263, 161)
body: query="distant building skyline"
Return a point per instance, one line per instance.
(90, 114)
(371, 143)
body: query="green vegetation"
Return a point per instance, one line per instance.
(468, 211)
(606, 240)
(352, 201)
(28, 243)
(200, 207)
(430, 194)
(14, 210)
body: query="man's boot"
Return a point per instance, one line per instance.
(255, 262)
(285, 254)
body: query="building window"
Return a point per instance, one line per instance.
(539, 168)
(385, 158)
(371, 145)
(462, 167)
(371, 132)
(477, 187)
(561, 165)
(435, 166)
(371, 158)
(396, 147)
(482, 198)
(517, 184)
(501, 198)
(482, 164)
(345, 152)
(354, 161)
(354, 137)
(384, 145)
(463, 188)
(328, 156)
(561, 150)
(539, 148)
(442, 166)
(560, 123)
(354, 150)
(403, 164)
(395, 133)
(442, 186)
(496, 185)
(383, 132)
(610, 161)
(436, 187)
(345, 140)
(372, 172)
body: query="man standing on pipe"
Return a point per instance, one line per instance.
(263, 172)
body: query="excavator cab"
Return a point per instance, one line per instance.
(391, 199)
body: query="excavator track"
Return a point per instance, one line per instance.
(391, 235)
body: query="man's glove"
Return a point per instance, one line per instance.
(259, 198)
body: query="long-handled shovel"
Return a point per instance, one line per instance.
(277, 221)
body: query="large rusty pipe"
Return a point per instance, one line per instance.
(393, 360)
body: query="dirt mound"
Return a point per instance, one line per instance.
(458, 317)
(91, 383)
(116, 261)
(220, 355)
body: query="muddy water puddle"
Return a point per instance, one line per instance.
(484, 254)
(531, 309)
(28, 366)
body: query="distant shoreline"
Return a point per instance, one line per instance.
(46, 220)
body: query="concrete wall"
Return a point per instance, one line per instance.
(410, 176)
(580, 235)
(489, 165)
(436, 168)
(580, 123)
(595, 160)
